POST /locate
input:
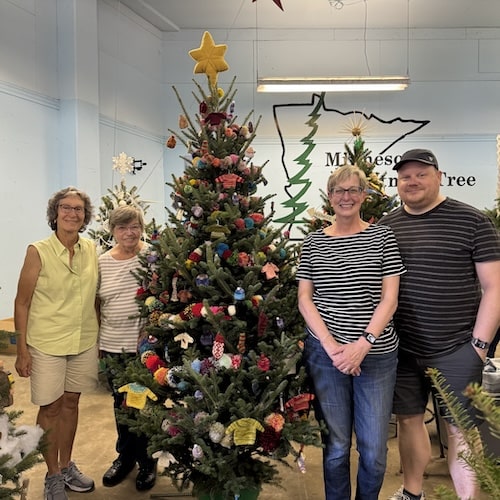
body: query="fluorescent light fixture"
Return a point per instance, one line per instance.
(332, 84)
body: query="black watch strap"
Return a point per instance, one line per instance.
(481, 344)
(370, 337)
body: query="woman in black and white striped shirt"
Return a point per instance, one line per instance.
(348, 288)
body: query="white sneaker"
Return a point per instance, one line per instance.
(400, 495)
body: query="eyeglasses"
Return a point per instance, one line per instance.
(67, 209)
(134, 228)
(353, 191)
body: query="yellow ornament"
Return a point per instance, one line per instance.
(210, 58)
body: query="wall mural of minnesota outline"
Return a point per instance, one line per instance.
(296, 169)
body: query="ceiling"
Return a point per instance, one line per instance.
(177, 15)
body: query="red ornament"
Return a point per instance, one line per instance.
(264, 363)
(269, 440)
(261, 324)
(218, 347)
(154, 362)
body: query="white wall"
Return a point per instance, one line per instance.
(455, 85)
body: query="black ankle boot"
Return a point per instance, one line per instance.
(118, 471)
(146, 478)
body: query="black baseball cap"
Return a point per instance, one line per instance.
(421, 155)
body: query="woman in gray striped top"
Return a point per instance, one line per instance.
(120, 327)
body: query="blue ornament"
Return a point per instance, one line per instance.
(202, 280)
(239, 293)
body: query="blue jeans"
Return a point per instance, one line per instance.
(346, 403)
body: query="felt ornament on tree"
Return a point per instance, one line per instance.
(185, 339)
(210, 58)
(270, 270)
(137, 395)
(299, 405)
(244, 431)
(218, 346)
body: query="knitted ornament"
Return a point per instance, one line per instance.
(298, 405)
(160, 375)
(224, 361)
(137, 395)
(239, 224)
(164, 459)
(154, 362)
(174, 378)
(202, 280)
(256, 300)
(270, 270)
(241, 343)
(263, 363)
(194, 257)
(227, 441)
(200, 417)
(154, 317)
(153, 304)
(164, 320)
(145, 355)
(236, 361)
(144, 346)
(152, 256)
(257, 218)
(244, 259)
(172, 430)
(173, 296)
(269, 440)
(197, 452)
(185, 339)
(196, 365)
(244, 431)
(187, 313)
(229, 181)
(216, 432)
(276, 421)
(220, 248)
(261, 324)
(206, 366)
(218, 346)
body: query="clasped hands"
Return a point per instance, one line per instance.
(347, 358)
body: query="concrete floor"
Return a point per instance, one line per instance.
(94, 451)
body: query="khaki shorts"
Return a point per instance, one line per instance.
(51, 376)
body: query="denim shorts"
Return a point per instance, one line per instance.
(459, 368)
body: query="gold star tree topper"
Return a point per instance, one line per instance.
(210, 58)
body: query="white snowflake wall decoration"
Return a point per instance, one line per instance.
(123, 163)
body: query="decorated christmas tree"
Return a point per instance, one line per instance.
(224, 397)
(19, 446)
(376, 204)
(119, 196)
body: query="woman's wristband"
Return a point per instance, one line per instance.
(369, 337)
